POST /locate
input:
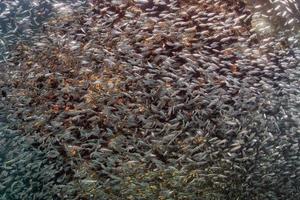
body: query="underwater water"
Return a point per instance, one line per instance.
(149, 99)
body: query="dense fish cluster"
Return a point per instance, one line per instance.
(277, 16)
(25, 172)
(284, 14)
(21, 19)
(156, 99)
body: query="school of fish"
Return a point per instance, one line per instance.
(151, 99)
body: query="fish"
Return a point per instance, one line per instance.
(171, 90)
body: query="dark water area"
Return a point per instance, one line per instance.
(149, 99)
